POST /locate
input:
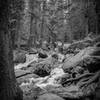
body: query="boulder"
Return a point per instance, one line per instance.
(42, 70)
(42, 54)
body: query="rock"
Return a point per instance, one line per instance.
(49, 96)
(92, 64)
(65, 46)
(32, 51)
(97, 44)
(52, 80)
(26, 77)
(45, 46)
(59, 43)
(31, 57)
(96, 40)
(58, 57)
(60, 49)
(61, 57)
(42, 54)
(42, 70)
(19, 57)
(55, 56)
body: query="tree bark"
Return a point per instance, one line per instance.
(32, 37)
(98, 14)
(30, 40)
(9, 89)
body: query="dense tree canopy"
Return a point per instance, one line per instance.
(52, 20)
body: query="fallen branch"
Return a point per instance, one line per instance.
(23, 75)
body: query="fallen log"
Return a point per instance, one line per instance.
(20, 73)
(82, 58)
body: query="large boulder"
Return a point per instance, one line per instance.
(42, 70)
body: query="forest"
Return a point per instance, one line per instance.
(49, 50)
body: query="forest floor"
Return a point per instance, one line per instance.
(50, 75)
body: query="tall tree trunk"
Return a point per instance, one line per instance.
(42, 21)
(9, 89)
(42, 29)
(32, 37)
(98, 14)
(30, 40)
(18, 35)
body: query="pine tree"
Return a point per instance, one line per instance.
(9, 89)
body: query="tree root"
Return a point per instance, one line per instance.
(91, 80)
(78, 78)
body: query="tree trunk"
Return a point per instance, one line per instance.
(30, 40)
(42, 22)
(18, 35)
(9, 89)
(32, 37)
(98, 14)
